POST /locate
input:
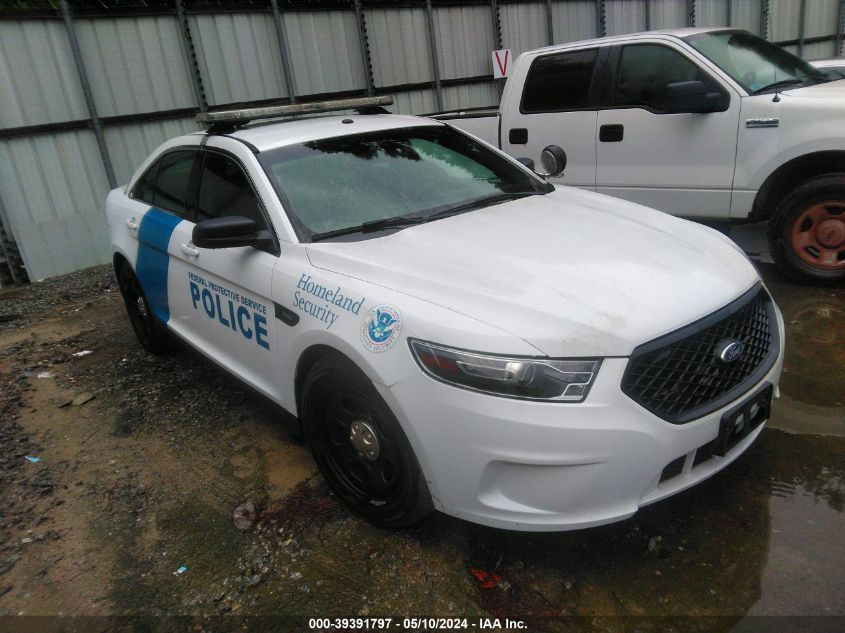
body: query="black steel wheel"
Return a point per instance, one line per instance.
(152, 335)
(359, 446)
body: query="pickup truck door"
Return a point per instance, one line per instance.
(682, 164)
(558, 105)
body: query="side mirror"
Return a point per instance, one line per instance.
(229, 232)
(690, 97)
(553, 160)
(527, 162)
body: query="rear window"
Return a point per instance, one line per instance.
(165, 184)
(559, 82)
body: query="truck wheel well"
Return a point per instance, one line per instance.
(791, 174)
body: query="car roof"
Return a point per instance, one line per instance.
(278, 133)
(600, 41)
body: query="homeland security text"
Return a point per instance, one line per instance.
(330, 299)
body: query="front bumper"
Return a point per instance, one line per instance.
(539, 466)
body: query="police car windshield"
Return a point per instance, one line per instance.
(337, 185)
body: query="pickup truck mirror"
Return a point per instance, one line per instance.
(690, 97)
(553, 160)
(527, 162)
(228, 232)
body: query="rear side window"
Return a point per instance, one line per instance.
(165, 184)
(226, 190)
(646, 69)
(559, 82)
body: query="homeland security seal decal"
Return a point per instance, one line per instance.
(381, 328)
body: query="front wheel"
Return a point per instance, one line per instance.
(359, 446)
(807, 231)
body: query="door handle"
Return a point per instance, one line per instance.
(611, 133)
(189, 250)
(518, 136)
(131, 224)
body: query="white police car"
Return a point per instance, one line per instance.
(452, 331)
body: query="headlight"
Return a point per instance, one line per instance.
(529, 378)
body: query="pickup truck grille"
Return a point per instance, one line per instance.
(680, 377)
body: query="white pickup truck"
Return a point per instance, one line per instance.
(713, 124)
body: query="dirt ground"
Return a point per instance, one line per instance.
(130, 510)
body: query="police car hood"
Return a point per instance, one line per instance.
(572, 273)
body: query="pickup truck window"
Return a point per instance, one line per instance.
(559, 82)
(165, 183)
(646, 69)
(754, 63)
(226, 190)
(336, 184)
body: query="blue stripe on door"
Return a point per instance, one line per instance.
(153, 260)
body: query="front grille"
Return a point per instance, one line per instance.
(679, 377)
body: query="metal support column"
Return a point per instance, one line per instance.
(690, 12)
(7, 253)
(365, 47)
(802, 26)
(550, 23)
(840, 27)
(283, 51)
(728, 12)
(647, 15)
(435, 57)
(89, 96)
(601, 18)
(764, 20)
(190, 52)
(497, 39)
(497, 25)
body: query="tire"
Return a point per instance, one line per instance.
(807, 231)
(380, 478)
(152, 334)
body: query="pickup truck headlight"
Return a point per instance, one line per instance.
(528, 378)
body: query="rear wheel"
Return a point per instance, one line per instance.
(807, 231)
(152, 335)
(359, 446)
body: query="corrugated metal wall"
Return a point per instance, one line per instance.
(393, 30)
(53, 181)
(573, 21)
(134, 65)
(38, 84)
(237, 57)
(53, 188)
(325, 51)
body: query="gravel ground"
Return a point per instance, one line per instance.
(166, 462)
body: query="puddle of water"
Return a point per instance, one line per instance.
(803, 571)
(794, 416)
(814, 365)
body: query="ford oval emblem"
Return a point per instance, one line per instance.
(729, 350)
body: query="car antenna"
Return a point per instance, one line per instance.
(776, 98)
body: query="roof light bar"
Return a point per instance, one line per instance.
(245, 115)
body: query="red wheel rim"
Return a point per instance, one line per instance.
(818, 235)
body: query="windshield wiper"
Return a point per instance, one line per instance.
(778, 84)
(389, 223)
(482, 202)
(369, 227)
